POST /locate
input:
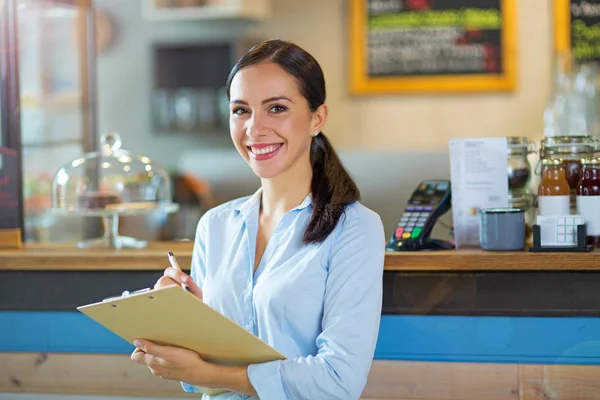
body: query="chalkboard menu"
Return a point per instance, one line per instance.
(432, 45)
(577, 28)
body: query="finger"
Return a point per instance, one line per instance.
(176, 274)
(138, 356)
(142, 344)
(137, 351)
(151, 348)
(194, 288)
(180, 277)
(164, 281)
(162, 374)
(151, 361)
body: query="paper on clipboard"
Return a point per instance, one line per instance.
(173, 316)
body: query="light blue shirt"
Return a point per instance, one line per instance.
(319, 305)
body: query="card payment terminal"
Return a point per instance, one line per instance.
(429, 201)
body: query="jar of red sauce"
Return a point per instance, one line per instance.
(588, 198)
(571, 150)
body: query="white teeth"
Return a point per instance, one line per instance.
(265, 150)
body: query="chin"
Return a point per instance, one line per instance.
(265, 172)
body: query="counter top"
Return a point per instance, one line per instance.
(64, 256)
(480, 260)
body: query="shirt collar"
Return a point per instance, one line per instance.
(305, 203)
(253, 202)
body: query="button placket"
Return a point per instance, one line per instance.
(249, 311)
(270, 250)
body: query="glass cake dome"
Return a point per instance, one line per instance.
(109, 183)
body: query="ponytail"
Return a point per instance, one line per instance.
(332, 190)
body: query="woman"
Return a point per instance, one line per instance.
(300, 263)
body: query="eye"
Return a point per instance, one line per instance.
(239, 111)
(277, 109)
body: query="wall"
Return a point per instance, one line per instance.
(385, 178)
(125, 79)
(415, 122)
(412, 129)
(422, 122)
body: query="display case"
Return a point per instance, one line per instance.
(109, 183)
(49, 114)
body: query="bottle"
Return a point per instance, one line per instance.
(588, 199)
(553, 191)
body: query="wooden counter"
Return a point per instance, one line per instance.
(479, 260)
(62, 256)
(67, 257)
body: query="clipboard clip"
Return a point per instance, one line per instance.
(127, 293)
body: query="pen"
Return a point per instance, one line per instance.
(175, 265)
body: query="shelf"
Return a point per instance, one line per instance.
(60, 101)
(52, 143)
(251, 10)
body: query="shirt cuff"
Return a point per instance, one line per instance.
(189, 388)
(266, 380)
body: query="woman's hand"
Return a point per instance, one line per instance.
(173, 276)
(176, 363)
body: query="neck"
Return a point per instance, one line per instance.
(287, 190)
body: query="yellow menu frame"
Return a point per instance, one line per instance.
(362, 84)
(562, 25)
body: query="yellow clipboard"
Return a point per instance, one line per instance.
(175, 317)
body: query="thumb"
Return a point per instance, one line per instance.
(146, 346)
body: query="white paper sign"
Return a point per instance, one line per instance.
(479, 176)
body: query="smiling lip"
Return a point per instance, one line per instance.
(264, 151)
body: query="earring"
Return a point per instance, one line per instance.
(315, 133)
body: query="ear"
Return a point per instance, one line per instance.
(319, 118)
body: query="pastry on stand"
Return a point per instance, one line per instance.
(110, 183)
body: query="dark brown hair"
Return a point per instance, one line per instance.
(332, 187)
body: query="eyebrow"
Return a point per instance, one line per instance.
(269, 100)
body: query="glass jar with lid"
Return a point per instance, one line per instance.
(553, 190)
(519, 168)
(570, 149)
(109, 183)
(588, 198)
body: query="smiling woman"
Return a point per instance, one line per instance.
(277, 95)
(298, 264)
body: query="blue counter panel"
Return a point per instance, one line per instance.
(490, 339)
(421, 338)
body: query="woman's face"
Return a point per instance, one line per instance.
(270, 122)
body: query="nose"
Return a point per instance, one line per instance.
(255, 126)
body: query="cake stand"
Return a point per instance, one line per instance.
(110, 221)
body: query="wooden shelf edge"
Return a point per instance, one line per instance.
(480, 260)
(66, 257)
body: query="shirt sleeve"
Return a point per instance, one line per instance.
(198, 269)
(351, 317)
